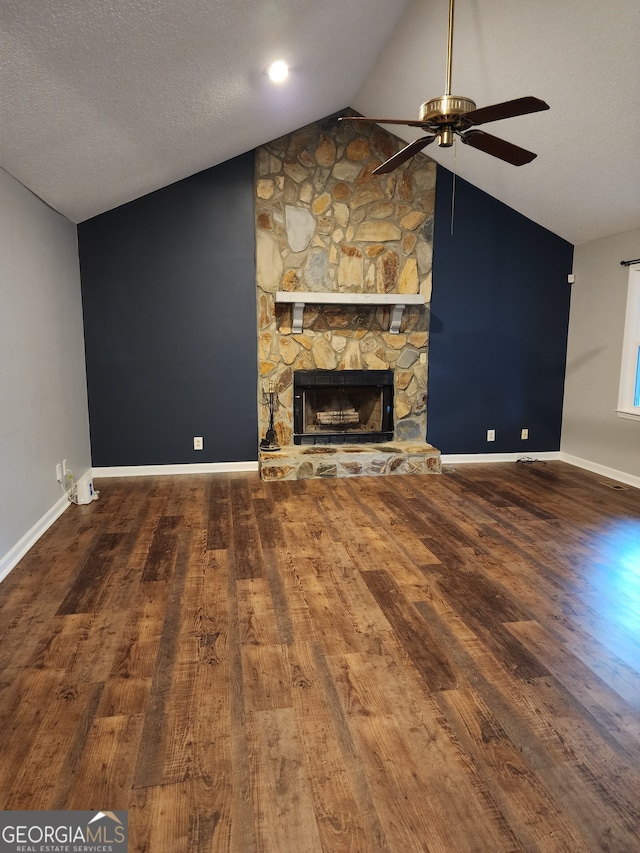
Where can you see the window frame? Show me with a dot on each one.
(630, 366)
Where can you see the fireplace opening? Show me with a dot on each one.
(339, 407)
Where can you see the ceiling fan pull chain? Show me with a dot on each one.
(453, 187)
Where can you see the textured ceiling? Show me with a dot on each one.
(103, 101)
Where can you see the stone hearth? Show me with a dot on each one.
(349, 460)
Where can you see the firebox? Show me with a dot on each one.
(342, 406)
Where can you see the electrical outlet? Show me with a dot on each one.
(491, 435)
(64, 467)
(423, 358)
(197, 442)
(59, 472)
(524, 433)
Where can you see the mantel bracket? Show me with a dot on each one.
(296, 320)
(396, 318)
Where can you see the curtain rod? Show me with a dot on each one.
(628, 263)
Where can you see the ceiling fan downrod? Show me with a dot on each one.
(443, 111)
(447, 85)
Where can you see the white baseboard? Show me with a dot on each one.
(157, 470)
(602, 470)
(13, 557)
(594, 467)
(462, 458)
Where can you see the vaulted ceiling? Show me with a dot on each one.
(103, 101)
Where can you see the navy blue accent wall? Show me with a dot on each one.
(499, 320)
(168, 289)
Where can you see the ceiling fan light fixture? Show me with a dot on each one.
(446, 137)
(278, 71)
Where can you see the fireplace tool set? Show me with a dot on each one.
(270, 441)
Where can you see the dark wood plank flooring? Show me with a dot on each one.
(379, 664)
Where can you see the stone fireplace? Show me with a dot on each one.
(343, 268)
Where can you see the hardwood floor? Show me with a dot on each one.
(429, 663)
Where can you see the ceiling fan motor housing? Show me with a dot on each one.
(445, 108)
(444, 116)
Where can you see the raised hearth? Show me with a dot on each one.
(349, 460)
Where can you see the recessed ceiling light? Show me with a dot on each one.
(278, 71)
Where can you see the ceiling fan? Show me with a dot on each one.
(453, 115)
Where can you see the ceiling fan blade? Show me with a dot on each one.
(411, 122)
(506, 151)
(507, 109)
(403, 155)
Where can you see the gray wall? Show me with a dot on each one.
(591, 429)
(43, 400)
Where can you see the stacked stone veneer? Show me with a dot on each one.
(324, 222)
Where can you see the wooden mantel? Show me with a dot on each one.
(396, 300)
